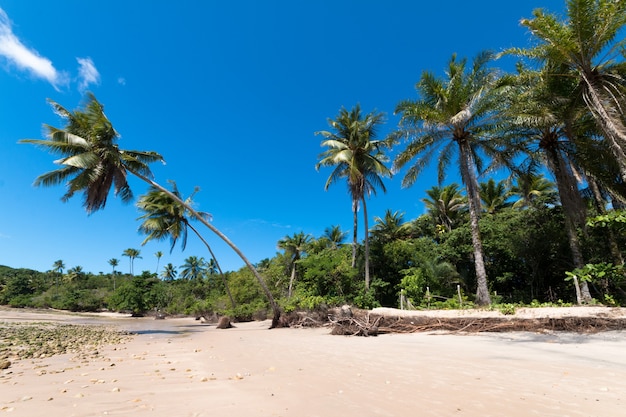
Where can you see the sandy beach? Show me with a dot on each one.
(181, 367)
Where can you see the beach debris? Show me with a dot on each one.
(5, 364)
(224, 323)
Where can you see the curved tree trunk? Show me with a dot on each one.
(292, 278)
(230, 296)
(367, 247)
(473, 197)
(268, 294)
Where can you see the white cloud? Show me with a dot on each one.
(24, 58)
(121, 81)
(87, 73)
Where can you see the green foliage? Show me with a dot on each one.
(136, 296)
(596, 272)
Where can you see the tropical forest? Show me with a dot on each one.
(537, 216)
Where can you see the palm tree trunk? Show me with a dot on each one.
(367, 246)
(230, 296)
(473, 197)
(574, 211)
(268, 294)
(355, 221)
(292, 278)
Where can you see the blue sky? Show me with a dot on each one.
(231, 94)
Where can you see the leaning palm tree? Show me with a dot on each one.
(164, 217)
(458, 113)
(132, 255)
(589, 48)
(356, 155)
(294, 246)
(93, 163)
(158, 255)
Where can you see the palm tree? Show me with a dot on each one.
(132, 255)
(92, 163)
(588, 47)
(530, 187)
(74, 273)
(445, 205)
(164, 217)
(114, 262)
(357, 156)
(193, 269)
(494, 196)
(58, 266)
(158, 255)
(391, 227)
(552, 128)
(335, 236)
(169, 272)
(294, 246)
(459, 113)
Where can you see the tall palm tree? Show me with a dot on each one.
(164, 217)
(549, 123)
(93, 163)
(114, 263)
(193, 269)
(132, 255)
(58, 266)
(169, 272)
(445, 205)
(356, 155)
(457, 113)
(588, 47)
(294, 246)
(158, 255)
(494, 196)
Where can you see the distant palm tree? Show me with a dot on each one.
(193, 268)
(132, 255)
(114, 262)
(335, 236)
(530, 187)
(294, 246)
(357, 156)
(75, 273)
(58, 266)
(391, 227)
(445, 205)
(456, 114)
(169, 272)
(494, 196)
(158, 255)
(93, 163)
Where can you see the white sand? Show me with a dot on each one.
(179, 367)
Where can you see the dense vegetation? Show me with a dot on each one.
(515, 238)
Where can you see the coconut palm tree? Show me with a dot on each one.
(132, 255)
(494, 196)
(158, 255)
(164, 217)
(588, 47)
(58, 266)
(93, 163)
(530, 187)
(357, 156)
(294, 246)
(114, 263)
(445, 205)
(458, 113)
(391, 227)
(169, 272)
(193, 269)
(335, 236)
